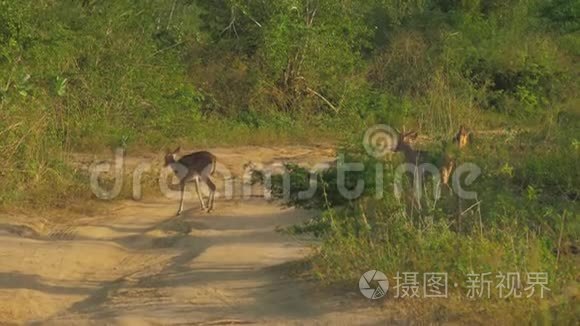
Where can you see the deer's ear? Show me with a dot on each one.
(456, 137)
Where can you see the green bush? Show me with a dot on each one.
(523, 219)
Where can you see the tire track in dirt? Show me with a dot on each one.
(140, 266)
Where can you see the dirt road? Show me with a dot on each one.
(141, 266)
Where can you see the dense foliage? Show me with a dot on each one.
(79, 75)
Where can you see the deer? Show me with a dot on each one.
(418, 157)
(461, 139)
(197, 166)
(412, 156)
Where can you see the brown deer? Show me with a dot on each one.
(418, 157)
(461, 140)
(462, 137)
(411, 155)
(197, 166)
(445, 165)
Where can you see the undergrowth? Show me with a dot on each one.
(524, 219)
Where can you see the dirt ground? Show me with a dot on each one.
(138, 264)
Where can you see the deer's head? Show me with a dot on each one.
(404, 139)
(462, 137)
(170, 156)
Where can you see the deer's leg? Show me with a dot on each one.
(417, 182)
(212, 188)
(199, 193)
(182, 188)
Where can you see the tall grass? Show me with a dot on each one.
(524, 219)
(90, 76)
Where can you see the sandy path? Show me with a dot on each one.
(140, 266)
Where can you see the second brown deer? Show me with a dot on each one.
(418, 158)
(462, 137)
(460, 140)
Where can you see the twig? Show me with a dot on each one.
(166, 48)
(480, 221)
(322, 98)
(14, 147)
(470, 207)
(251, 18)
(10, 75)
(10, 127)
(560, 238)
(232, 24)
(171, 14)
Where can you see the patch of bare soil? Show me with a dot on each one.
(141, 266)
